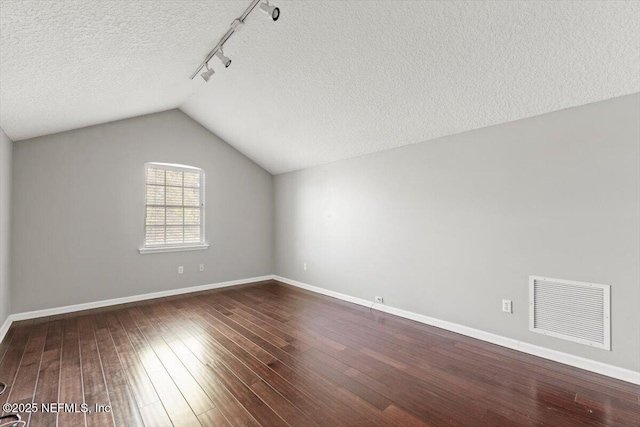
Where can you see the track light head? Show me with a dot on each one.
(226, 61)
(207, 74)
(272, 11)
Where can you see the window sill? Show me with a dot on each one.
(198, 247)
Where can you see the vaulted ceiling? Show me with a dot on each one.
(329, 80)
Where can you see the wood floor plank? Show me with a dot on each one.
(27, 376)
(268, 354)
(237, 379)
(123, 404)
(235, 300)
(176, 406)
(11, 362)
(49, 377)
(242, 368)
(229, 406)
(245, 367)
(213, 418)
(95, 391)
(319, 366)
(141, 387)
(206, 355)
(293, 397)
(71, 392)
(188, 386)
(5, 345)
(290, 367)
(434, 407)
(256, 365)
(155, 414)
(258, 409)
(395, 364)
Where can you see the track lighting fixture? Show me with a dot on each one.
(226, 61)
(207, 74)
(272, 11)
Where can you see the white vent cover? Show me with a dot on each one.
(573, 311)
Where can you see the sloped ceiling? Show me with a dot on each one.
(329, 80)
(67, 64)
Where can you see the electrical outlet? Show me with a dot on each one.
(180, 270)
(201, 267)
(304, 266)
(506, 305)
(379, 300)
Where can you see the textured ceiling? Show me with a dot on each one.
(329, 80)
(66, 64)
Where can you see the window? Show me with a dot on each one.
(174, 211)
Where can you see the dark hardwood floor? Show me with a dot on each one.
(268, 354)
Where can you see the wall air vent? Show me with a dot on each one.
(572, 311)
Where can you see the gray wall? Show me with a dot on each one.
(5, 230)
(450, 227)
(78, 212)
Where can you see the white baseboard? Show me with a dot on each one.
(115, 301)
(5, 327)
(557, 356)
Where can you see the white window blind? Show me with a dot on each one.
(174, 211)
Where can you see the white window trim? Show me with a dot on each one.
(161, 249)
(183, 247)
